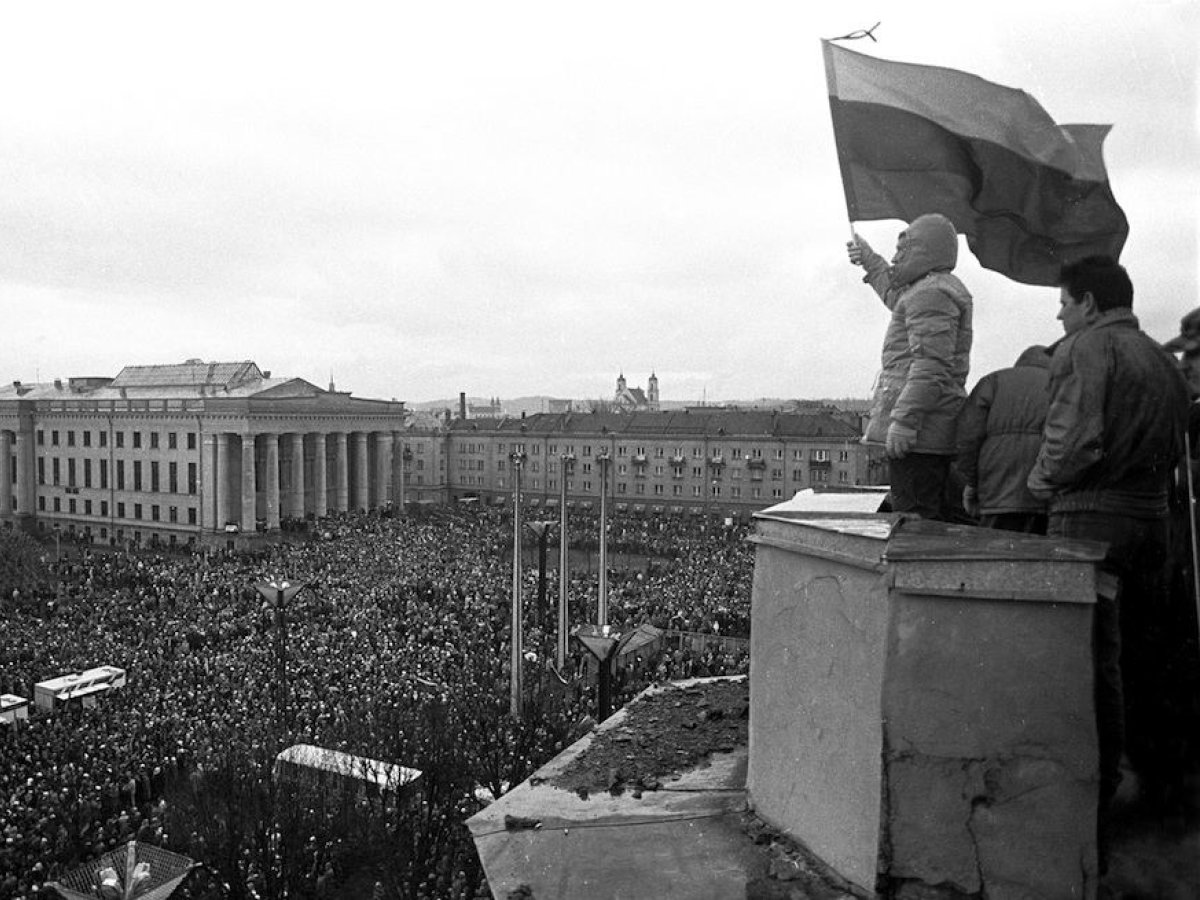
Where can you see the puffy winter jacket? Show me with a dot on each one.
(927, 347)
(1000, 433)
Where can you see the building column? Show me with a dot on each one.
(398, 469)
(249, 485)
(6, 487)
(362, 472)
(341, 472)
(320, 502)
(383, 468)
(223, 513)
(294, 505)
(209, 514)
(26, 472)
(271, 477)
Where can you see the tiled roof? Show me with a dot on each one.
(192, 373)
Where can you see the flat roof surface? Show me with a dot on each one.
(684, 840)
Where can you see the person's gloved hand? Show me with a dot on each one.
(855, 250)
(900, 441)
(970, 500)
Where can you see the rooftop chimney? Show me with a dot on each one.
(462, 404)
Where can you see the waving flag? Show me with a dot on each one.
(1028, 193)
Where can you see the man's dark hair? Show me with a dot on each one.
(1102, 276)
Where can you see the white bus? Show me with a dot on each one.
(336, 773)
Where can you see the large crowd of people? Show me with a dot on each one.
(396, 648)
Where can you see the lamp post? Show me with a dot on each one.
(515, 692)
(605, 461)
(603, 642)
(280, 593)
(541, 531)
(568, 461)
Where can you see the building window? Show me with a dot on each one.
(622, 487)
(137, 474)
(173, 514)
(87, 472)
(154, 440)
(137, 510)
(697, 471)
(736, 492)
(55, 469)
(779, 453)
(676, 489)
(120, 440)
(191, 515)
(137, 440)
(41, 438)
(843, 477)
(587, 485)
(71, 472)
(172, 441)
(640, 487)
(695, 490)
(54, 438)
(71, 506)
(715, 490)
(87, 439)
(42, 504)
(71, 438)
(104, 507)
(587, 467)
(819, 455)
(191, 443)
(843, 456)
(58, 504)
(777, 493)
(658, 489)
(120, 474)
(41, 470)
(154, 474)
(797, 475)
(103, 438)
(120, 510)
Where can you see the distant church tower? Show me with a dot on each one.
(621, 383)
(652, 391)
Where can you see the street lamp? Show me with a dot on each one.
(541, 531)
(280, 594)
(604, 642)
(605, 461)
(515, 692)
(568, 462)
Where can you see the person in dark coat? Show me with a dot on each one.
(999, 435)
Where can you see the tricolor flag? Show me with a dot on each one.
(1028, 193)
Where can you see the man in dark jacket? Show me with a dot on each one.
(926, 355)
(1114, 433)
(999, 435)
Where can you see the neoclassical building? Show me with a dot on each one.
(192, 452)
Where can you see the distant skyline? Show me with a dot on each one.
(528, 198)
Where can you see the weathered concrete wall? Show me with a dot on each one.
(818, 632)
(921, 706)
(990, 747)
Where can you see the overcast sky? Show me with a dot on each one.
(518, 198)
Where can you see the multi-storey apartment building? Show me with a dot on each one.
(729, 461)
(180, 453)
